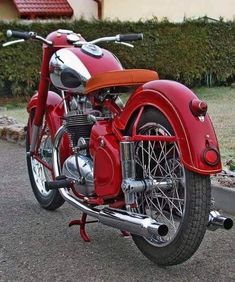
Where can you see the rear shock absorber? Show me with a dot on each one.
(128, 171)
(130, 185)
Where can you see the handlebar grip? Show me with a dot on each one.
(131, 37)
(19, 34)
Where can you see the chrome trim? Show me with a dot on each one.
(139, 224)
(127, 159)
(64, 102)
(47, 42)
(80, 168)
(73, 37)
(12, 42)
(35, 134)
(216, 220)
(64, 31)
(105, 39)
(146, 185)
(55, 150)
(92, 49)
(65, 59)
(125, 44)
(128, 172)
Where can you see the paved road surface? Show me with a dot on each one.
(37, 245)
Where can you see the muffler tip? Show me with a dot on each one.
(155, 228)
(228, 223)
(216, 220)
(163, 230)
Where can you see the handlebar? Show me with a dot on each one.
(118, 38)
(19, 34)
(24, 35)
(130, 37)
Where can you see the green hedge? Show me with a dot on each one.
(194, 53)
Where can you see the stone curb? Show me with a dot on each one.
(14, 133)
(224, 197)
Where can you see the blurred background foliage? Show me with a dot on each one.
(195, 53)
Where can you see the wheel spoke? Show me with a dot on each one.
(159, 210)
(160, 160)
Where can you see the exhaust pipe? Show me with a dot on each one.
(138, 224)
(216, 220)
(141, 225)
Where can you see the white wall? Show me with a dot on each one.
(174, 10)
(84, 8)
(7, 10)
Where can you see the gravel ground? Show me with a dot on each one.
(37, 245)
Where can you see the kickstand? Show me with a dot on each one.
(82, 222)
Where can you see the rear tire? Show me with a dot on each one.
(183, 202)
(38, 173)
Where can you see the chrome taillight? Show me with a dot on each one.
(198, 107)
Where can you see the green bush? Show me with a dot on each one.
(194, 53)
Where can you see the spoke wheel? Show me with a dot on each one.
(181, 199)
(160, 161)
(38, 172)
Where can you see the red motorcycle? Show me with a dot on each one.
(142, 167)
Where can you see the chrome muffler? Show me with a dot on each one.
(216, 220)
(138, 224)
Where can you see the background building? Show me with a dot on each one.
(124, 10)
(173, 10)
(32, 9)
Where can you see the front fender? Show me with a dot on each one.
(53, 113)
(54, 110)
(173, 100)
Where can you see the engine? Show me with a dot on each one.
(80, 168)
(95, 163)
(78, 125)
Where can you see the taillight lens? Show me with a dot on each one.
(211, 156)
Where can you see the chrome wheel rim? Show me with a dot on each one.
(159, 160)
(40, 177)
(40, 172)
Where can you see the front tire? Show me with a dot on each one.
(181, 199)
(38, 173)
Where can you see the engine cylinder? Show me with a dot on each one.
(77, 125)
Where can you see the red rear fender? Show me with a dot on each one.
(173, 99)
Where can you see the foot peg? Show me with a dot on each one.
(60, 182)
